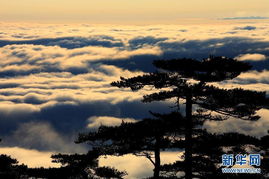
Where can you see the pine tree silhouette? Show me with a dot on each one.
(192, 81)
(84, 166)
(10, 169)
(141, 138)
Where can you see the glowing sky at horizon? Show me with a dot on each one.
(123, 11)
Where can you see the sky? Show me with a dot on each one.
(58, 59)
(126, 11)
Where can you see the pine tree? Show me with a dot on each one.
(10, 169)
(146, 138)
(84, 166)
(196, 82)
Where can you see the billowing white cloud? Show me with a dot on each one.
(14, 110)
(97, 121)
(254, 77)
(138, 167)
(251, 57)
(42, 136)
(27, 59)
(30, 157)
(253, 128)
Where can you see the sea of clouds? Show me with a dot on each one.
(55, 78)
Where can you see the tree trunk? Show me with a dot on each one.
(157, 158)
(188, 137)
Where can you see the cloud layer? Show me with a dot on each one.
(55, 79)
